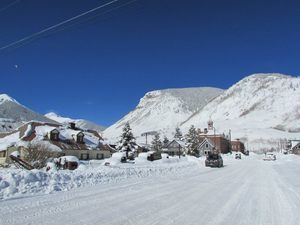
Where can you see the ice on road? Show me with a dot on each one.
(243, 192)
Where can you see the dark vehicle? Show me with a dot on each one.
(214, 160)
(154, 156)
(123, 159)
(130, 156)
(238, 155)
(70, 166)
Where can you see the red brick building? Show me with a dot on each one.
(238, 146)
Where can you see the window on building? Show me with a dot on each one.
(80, 138)
(2, 154)
(54, 135)
(84, 156)
(206, 145)
(100, 156)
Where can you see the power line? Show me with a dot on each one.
(71, 25)
(27, 38)
(9, 5)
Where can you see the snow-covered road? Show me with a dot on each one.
(243, 192)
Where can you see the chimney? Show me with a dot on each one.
(72, 125)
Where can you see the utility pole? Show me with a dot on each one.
(230, 146)
(215, 140)
(146, 139)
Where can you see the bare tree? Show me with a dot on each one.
(37, 154)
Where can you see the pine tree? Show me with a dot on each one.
(178, 134)
(165, 141)
(192, 140)
(127, 141)
(156, 142)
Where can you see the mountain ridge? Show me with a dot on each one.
(165, 109)
(260, 109)
(13, 114)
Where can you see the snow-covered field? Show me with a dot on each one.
(169, 191)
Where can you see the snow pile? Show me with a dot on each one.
(115, 159)
(9, 141)
(16, 182)
(143, 157)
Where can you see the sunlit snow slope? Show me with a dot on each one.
(13, 114)
(260, 109)
(164, 110)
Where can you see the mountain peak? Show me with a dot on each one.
(51, 114)
(54, 116)
(266, 76)
(5, 98)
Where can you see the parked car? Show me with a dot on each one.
(64, 162)
(116, 158)
(238, 155)
(269, 156)
(214, 160)
(153, 156)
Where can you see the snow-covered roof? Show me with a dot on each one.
(181, 143)
(69, 158)
(206, 140)
(37, 132)
(43, 130)
(9, 141)
(294, 143)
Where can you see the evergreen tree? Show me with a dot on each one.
(178, 134)
(127, 141)
(165, 141)
(156, 142)
(192, 140)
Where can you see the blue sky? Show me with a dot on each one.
(98, 69)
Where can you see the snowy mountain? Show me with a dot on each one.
(261, 109)
(81, 123)
(13, 114)
(163, 110)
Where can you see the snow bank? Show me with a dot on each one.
(17, 183)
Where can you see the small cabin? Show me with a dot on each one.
(296, 149)
(175, 148)
(204, 148)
